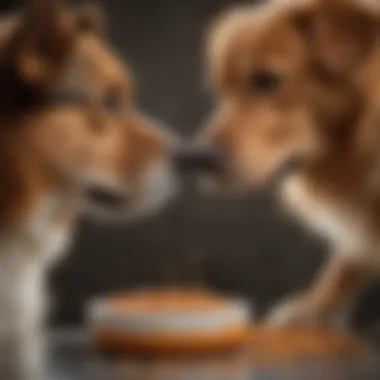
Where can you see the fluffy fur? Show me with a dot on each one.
(300, 80)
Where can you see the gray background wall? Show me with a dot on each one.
(248, 245)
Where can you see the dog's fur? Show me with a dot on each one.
(69, 129)
(300, 80)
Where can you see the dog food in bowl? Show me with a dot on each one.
(169, 320)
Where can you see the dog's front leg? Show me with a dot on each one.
(22, 354)
(325, 304)
(22, 310)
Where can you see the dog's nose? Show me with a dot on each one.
(105, 197)
(198, 159)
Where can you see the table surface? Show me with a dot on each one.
(293, 356)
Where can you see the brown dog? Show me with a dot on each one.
(71, 141)
(299, 80)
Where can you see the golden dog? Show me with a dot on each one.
(298, 81)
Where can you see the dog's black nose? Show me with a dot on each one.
(105, 197)
(198, 159)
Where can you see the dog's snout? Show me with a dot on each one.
(194, 159)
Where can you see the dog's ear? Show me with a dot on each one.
(40, 43)
(340, 33)
(90, 18)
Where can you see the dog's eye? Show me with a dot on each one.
(113, 102)
(264, 81)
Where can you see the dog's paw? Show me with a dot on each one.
(296, 312)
